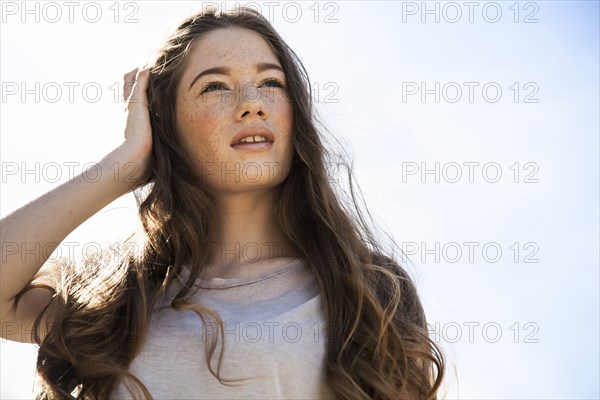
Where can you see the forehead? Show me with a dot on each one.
(229, 47)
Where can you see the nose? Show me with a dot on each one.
(251, 105)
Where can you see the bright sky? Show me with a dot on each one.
(474, 138)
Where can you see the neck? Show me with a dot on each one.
(249, 238)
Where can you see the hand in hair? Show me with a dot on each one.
(138, 131)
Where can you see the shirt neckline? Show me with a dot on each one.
(223, 283)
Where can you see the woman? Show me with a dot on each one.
(241, 228)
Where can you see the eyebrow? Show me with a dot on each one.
(260, 67)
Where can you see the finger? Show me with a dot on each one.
(138, 91)
(128, 83)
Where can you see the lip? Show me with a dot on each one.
(252, 131)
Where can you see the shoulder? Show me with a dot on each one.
(395, 285)
(386, 265)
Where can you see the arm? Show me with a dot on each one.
(50, 218)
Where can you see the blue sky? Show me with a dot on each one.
(522, 323)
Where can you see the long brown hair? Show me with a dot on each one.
(378, 345)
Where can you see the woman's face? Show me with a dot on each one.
(232, 91)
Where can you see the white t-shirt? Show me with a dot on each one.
(274, 328)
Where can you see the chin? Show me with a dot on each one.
(247, 175)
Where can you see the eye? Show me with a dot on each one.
(273, 82)
(213, 86)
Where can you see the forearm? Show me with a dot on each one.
(31, 233)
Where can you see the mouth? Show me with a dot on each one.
(253, 138)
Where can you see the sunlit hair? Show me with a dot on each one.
(378, 345)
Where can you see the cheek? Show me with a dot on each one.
(199, 129)
(285, 110)
(284, 114)
(281, 112)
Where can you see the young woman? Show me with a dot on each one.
(252, 279)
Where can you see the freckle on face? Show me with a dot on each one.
(206, 124)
